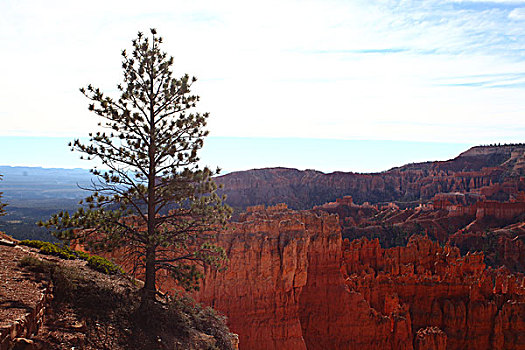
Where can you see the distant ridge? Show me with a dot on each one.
(302, 189)
(36, 187)
(29, 183)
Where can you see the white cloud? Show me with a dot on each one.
(517, 13)
(490, 1)
(334, 69)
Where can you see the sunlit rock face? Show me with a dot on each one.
(267, 271)
(293, 283)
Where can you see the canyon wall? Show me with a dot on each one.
(293, 283)
(283, 288)
(267, 270)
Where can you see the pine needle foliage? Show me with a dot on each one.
(153, 201)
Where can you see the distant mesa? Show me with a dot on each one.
(477, 168)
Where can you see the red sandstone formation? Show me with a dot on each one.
(291, 283)
(430, 338)
(477, 197)
(502, 246)
(284, 289)
(483, 208)
(266, 273)
(393, 226)
(496, 228)
(441, 289)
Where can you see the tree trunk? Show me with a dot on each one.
(150, 288)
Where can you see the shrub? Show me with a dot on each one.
(53, 249)
(50, 249)
(81, 255)
(208, 321)
(97, 263)
(65, 282)
(107, 306)
(36, 265)
(103, 265)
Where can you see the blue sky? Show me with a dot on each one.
(416, 73)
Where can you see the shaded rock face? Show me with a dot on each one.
(292, 283)
(456, 294)
(502, 245)
(474, 169)
(331, 315)
(430, 338)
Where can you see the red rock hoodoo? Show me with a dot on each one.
(292, 283)
(441, 289)
(468, 221)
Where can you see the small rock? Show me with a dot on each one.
(7, 243)
(77, 326)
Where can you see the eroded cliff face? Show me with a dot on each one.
(267, 270)
(333, 316)
(292, 283)
(441, 289)
(468, 221)
(284, 289)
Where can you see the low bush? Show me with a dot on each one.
(103, 265)
(178, 318)
(81, 255)
(70, 285)
(208, 321)
(53, 249)
(97, 263)
(50, 249)
(113, 316)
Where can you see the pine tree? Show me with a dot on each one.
(153, 200)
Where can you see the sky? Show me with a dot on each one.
(331, 85)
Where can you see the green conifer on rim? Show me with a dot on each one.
(153, 201)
